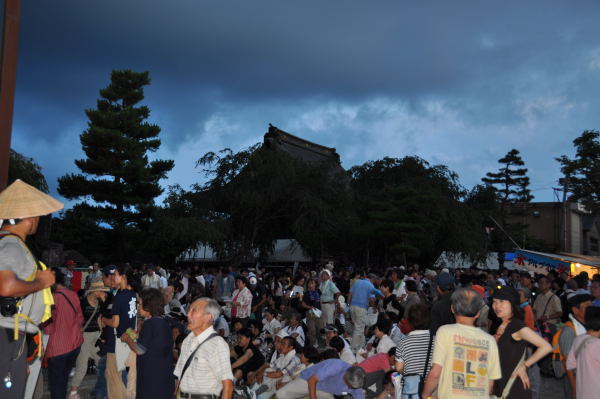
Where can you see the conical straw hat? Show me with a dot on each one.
(20, 200)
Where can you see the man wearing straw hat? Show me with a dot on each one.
(21, 281)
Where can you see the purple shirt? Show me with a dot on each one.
(330, 374)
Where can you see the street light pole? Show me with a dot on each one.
(8, 79)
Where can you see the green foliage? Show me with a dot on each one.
(411, 211)
(510, 185)
(26, 169)
(260, 194)
(118, 183)
(582, 174)
(511, 181)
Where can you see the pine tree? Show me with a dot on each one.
(118, 183)
(510, 182)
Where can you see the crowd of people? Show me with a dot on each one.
(319, 331)
(322, 332)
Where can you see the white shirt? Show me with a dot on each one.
(163, 282)
(150, 281)
(272, 327)
(347, 355)
(222, 325)
(298, 330)
(385, 344)
(209, 367)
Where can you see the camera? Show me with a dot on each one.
(8, 306)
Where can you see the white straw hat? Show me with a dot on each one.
(20, 200)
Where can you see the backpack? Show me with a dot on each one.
(553, 364)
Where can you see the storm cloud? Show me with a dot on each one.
(457, 83)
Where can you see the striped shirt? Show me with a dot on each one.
(412, 351)
(209, 367)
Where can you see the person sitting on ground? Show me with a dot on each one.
(584, 356)
(308, 357)
(324, 379)
(248, 358)
(271, 325)
(294, 329)
(381, 331)
(285, 367)
(343, 350)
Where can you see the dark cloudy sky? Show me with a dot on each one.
(455, 82)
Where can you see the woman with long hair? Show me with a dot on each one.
(513, 337)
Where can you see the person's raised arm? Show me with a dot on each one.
(542, 349)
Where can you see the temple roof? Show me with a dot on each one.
(299, 147)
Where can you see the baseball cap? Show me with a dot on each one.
(445, 280)
(108, 270)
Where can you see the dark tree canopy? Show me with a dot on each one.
(511, 181)
(118, 184)
(26, 169)
(262, 194)
(582, 173)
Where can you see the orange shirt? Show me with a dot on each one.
(529, 319)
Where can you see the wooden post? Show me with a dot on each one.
(8, 78)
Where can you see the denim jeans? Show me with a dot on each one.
(59, 368)
(100, 389)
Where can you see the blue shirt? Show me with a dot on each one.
(330, 374)
(361, 291)
(596, 302)
(124, 305)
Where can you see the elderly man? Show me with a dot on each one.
(465, 359)
(284, 366)
(203, 369)
(21, 281)
(324, 380)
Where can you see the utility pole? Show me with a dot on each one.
(8, 79)
(563, 230)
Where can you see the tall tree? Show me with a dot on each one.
(582, 173)
(26, 169)
(118, 183)
(511, 181)
(410, 211)
(511, 186)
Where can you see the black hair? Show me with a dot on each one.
(384, 325)
(242, 279)
(153, 301)
(418, 316)
(125, 269)
(592, 318)
(291, 341)
(255, 323)
(59, 276)
(245, 332)
(311, 353)
(389, 284)
(392, 351)
(411, 285)
(337, 343)
(330, 354)
(577, 300)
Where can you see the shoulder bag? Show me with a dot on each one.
(412, 384)
(511, 380)
(189, 361)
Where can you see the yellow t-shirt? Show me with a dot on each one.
(469, 359)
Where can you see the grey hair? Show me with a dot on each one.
(355, 377)
(526, 292)
(212, 307)
(466, 302)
